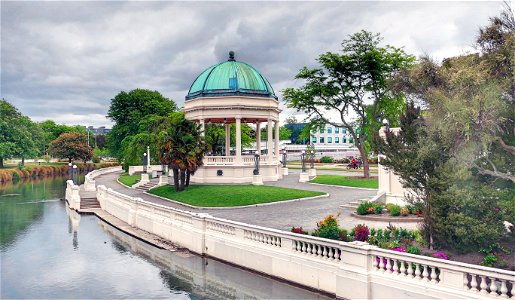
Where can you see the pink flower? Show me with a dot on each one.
(440, 255)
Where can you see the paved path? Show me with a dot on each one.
(281, 215)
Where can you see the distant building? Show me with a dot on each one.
(100, 130)
(296, 129)
(331, 135)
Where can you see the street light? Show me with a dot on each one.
(145, 162)
(70, 170)
(75, 174)
(284, 157)
(303, 153)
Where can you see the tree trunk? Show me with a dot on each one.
(188, 174)
(364, 158)
(176, 179)
(23, 161)
(69, 159)
(183, 179)
(1, 162)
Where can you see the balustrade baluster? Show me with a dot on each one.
(376, 263)
(403, 268)
(387, 267)
(330, 254)
(319, 252)
(493, 287)
(425, 274)
(504, 289)
(395, 267)
(324, 252)
(417, 271)
(410, 269)
(466, 282)
(473, 283)
(303, 247)
(483, 286)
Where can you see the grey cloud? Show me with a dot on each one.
(66, 60)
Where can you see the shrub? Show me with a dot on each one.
(95, 159)
(298, 230)
(363, 208)
(361, 233)
(404, 212)
(343, 235)
(326, 159)
(395, 210)
(378, 208)
(412, 249)
(489, 261)
(328, 228)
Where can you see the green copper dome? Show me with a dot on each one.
(230, 78)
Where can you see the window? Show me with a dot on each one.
(344, 140)
(314, 139)
(344, 130)
(337, 130)
(322, 130)
(350, 140)
(321, 140)
(329, 140)
(329, 130)
(336, 140)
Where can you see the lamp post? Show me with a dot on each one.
(163, 165)
(75, 174)
(284, 157)
(302, 155)
(145, 162)
(257, 158)
(70, 170)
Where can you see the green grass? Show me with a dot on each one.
(128, 180)
(231, 195)
(346, 181)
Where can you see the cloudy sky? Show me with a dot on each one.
(66, 60)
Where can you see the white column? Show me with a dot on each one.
(276, 146)
(202, 127)
(227, 139)
(269, 145)
(258, 138)
(238, 139)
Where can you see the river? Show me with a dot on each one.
(50, 251)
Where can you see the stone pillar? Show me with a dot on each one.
(202, 127)
(276, 145)
(269, 142)
(238, 139)
(148, 160)
(258, 138)
(227, 139)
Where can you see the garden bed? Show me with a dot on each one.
(129, 180)
(387, 218)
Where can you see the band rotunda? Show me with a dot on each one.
(234, 92)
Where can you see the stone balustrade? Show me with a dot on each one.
(89, 179)
(72, 195)
(348, 270)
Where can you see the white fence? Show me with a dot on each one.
(89, 179)
(72, 194)
(349, 270)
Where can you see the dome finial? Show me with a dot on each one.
(231, 55)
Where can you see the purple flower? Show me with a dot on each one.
(440, 255)
(399, 249)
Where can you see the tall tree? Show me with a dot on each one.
(127, 109)
(18, 135)
(71, 145)
(355, 84)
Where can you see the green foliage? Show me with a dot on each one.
(346, 181)
(129, 180)
(489, 261)
(343, 81)
(363, 208)
(127, 111)
(412, 249)
(326, 159)
(378, 208)
(395, 210)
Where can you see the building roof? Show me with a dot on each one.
(230, 78)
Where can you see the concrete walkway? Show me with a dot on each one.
(281, 216)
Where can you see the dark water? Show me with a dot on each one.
(48, 251)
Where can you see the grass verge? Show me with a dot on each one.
(346, 181)
(128, 180)
(231, 195)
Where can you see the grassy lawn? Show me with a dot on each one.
(298, 167)
(346, 181)
(128, 180)
(231, 195)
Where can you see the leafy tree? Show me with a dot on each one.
(71, 145)
(284, 133)
(19, 136)
(100, 141)
(182, 147)
(291, 120)
(355, 82)
(127, 109)
(215, 138)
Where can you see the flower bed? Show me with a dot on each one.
(375, 208)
